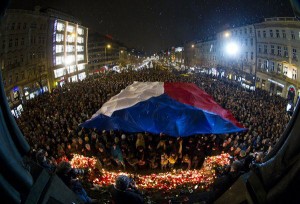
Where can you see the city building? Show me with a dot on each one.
(104, 52)
(39, 50)
(236, 49)
(278, 44)
(67, 53)
(265, 54)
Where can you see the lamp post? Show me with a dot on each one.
(108, 46)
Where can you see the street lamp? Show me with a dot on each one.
(108, 46)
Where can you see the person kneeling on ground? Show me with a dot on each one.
(125, 191)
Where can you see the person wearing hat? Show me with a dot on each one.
(125, 191)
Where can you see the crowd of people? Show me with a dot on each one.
(51, 122)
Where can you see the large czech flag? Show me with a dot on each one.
(175, 109)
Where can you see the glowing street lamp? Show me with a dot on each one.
(227, 34)
(193, 46)
(232, 49)
(108, 46)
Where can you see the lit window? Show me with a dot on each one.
(81, 67)
(59, 48)
(80, 48)
(60, 26)
(70, 28)
(59, 72)
(70, 59)
(59, 37)
(80, 31)
(72, 69)
(80, 40)
(59, 60)
(80, 57)
(82, 76)
(70, 48)
(70, 38)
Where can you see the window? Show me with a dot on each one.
(19, 26)
(70, 28)
(285, 70)
(266, 62)
(264, 34)
(70, 38)
(60, 26)
(70, 59)
(70, 48)
(265, 49)
(16, 42)
(59, 37)
(279, 68)
(59, 72)
(246, 56)
(277, 34)
(245, 30)
(3, 44)
(259, 48)
(80, 57)
(251, 41)
(72, 69)
(80, 31)
(286, 53)
(10, 43)
(259, 63)
(271, 34)
(22, 41)
(283, 34)
(24, 26)
(80, 40)
(80, 48)
(81, 67)
(241, 32)
(279, 50)
(272, 49)
(59, 48)
(82, 76)
(258, 34)
(12, 26)
(294, 53)
(272, 68)
(250, 30)
(252, 56)
(292, 35)
(246, 42)
(59, 60)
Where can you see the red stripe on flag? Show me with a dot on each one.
(190, 94)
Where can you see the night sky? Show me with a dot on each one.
(153, 25)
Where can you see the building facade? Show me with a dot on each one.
(104, 52)
(266, 51)
(243, 40)
(31, 42)
(278, 44)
